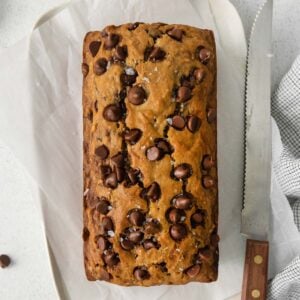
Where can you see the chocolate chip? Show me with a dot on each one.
(204, 55)
(183, 201)
(214, 239)
(111, 40)
(107, 224)
(177, 122)
(208, 181)
(164, 146)
(112, 113)
(205, 254)
(154, 153)
(184, 93)
(127, 245)
(104, 275)
(136, 95)
(136, 217)
(4, 261)
(103, 244)
(175, 215)
(127, 80)
(211, 115)
(100, 66)
(182, 171)
(94, 47)
(157, 54)
(135, 236)
(193, 123)
(163, 267)
(102, 151)
(207, 162)
(132, 136)
(84, 69)
(121, 53)
(104, 171)
(117, 160)
(133, 26)
(197, 218)
(111, 181)
(153, 192)
(154, 33)
(133, 176)
(141, 273)
(111, 258)
(152, 227)
(199, 75)
(175, 33)
(120, 172)
(193, 271)
(103, 206)
(178, 232)
(150, 243)
(85, 234)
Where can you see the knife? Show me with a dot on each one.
(257, 178)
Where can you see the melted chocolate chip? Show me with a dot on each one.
(199, 75)
(193, 271)
(120, 173)
(105, 275)
(136, 217)
(118, 160)
(133, 176)
(100, 66)
(163, 145)
(208, 181)
(132, 136)
(205, 254)
(211, 115)
(133, 26)
(136, 95)
(84, 69)
(207, 162)
(141, 273)
(120, 53)
(204, 55)
(184, 93)
(152, 192)
(154, 153)
(105, 171)
(176, 34)
(102, 151)
(112, 113)
(127, 245)
(177, 122)
(183, 201)
(178, 232)
(135, 236)
(175, 215)
(85, 234)
(103, 206)
(111, 40)
(150, 243)
(154, 33)
(182, 171)
(111, 258)
(111, 181)
(193, 123)
(107, 224)
(94, 47)
(152, 227)
(103, 244)
(127, 80)
(197, 218)
(157, 54)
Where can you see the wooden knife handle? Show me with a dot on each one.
(255, 270)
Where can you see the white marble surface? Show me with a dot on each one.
(29, 276)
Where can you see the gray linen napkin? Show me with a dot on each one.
(286, 112)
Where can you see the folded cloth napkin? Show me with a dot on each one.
(286, 112)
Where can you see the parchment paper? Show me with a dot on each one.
(41, 120)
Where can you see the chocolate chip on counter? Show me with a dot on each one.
(205, 254)
(152, 192)
(127, 80)
(182, 171)
(103, 244)
(85, 234)
(193, 123)
(107, 224)
(183, 201)
(208, 181)
(150, 243)
(199, 75)
(157, 54)
(177, 122)
(152, 227)
(214, 239)
(111, 181)
(120, 173)
(184, 93)
(211, 115)
(141, 273)
(154, 153)
(102, 151)
(120, 53)
(178, 232)
(103, 206)
(118, 160)
(100, 66)
(4, 261)
(193, 271)
(112, 113)
(163, 145)
(176, 34)
(105, 171)
(207, 162)
(175, 215)
(135, 236)
(136, 217)
(111, 258)
(133, 26)
(94, 47)
(136, 95)
(111, 40)
(133, 176)
(84, 69)
(126, 244)
(204, 55)
(132, 136)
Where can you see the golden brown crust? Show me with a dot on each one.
(167, 76)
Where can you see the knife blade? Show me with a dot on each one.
(257, 178)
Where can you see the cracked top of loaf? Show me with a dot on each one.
(150, 176)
